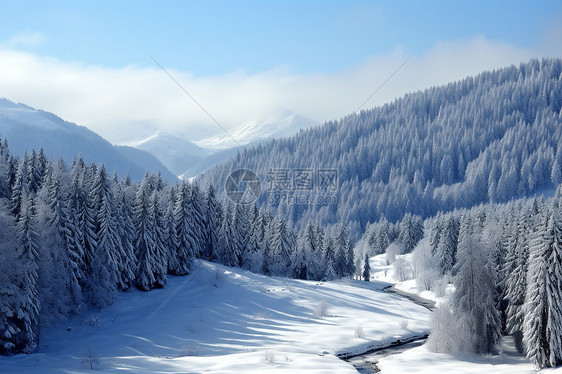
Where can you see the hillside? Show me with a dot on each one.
(488, 138)
(227, 320)
(26, 128)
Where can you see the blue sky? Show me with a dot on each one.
(217, 37)
(244, 46)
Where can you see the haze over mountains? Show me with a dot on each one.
(187, 159)
(27, 128)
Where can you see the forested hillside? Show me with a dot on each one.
(505, 261)
(489, 138)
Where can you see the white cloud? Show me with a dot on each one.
(128, 102)
(26, 39)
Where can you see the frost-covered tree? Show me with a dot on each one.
(12, 268)
(281, 247)
(212, 224)
(144, 241)
(182, 255)
(366, 269)
(26, 305)
(410, 231)
(542, 321)
(475, 299)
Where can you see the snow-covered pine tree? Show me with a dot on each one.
(27, 305)
(212, 224)
(516, 281)
(280, 242)
(144, 242)
(254, 255)
(19, 186)
(366, 269)
(127, 260)
(161, 252)
(199, 211)
(241, 234)
(5, 170)
(103, 274)
(410, 231)
(75, 222)
(542, 322)
(11, 270)
(475, 298)
(447, 244)
(59, 271)
(329, 258)
(345, 261)
(182, 255)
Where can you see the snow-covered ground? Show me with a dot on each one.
(420, 360)
(224, 320)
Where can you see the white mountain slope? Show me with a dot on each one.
(176, 153)
(229, 321)
(279, 123)
(27, 128)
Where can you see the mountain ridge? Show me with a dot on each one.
(27, 128)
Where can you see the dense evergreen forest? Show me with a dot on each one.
(505, 261)
(488, 138)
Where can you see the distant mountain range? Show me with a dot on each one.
(187, 159)
(27, 128)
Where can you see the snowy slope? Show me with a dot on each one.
(226, 320)
(27, 128)
(279, 123)
(176, 153)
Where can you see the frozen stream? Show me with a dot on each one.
(367, 363)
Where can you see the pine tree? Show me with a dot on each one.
(127, 261)
(103, 275)
(144, 242)
(27, 306)
(280, 247)
(182, 255)
(11, 270)
(475, 298)
(329, 258)
(516, 281)
(198, 209)
(212, 224)
(542, 322)
(366, 269)
(59, 271)
(161, 253)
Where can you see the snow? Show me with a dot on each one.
(381, 271)
(420, 360)
(279, 123)
(226, 320)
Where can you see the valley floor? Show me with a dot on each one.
(224, 320)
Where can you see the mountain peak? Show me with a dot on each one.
(280, 122)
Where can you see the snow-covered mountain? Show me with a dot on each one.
(27, 128)
(187, 159)
(176, 153)
(279, 123)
